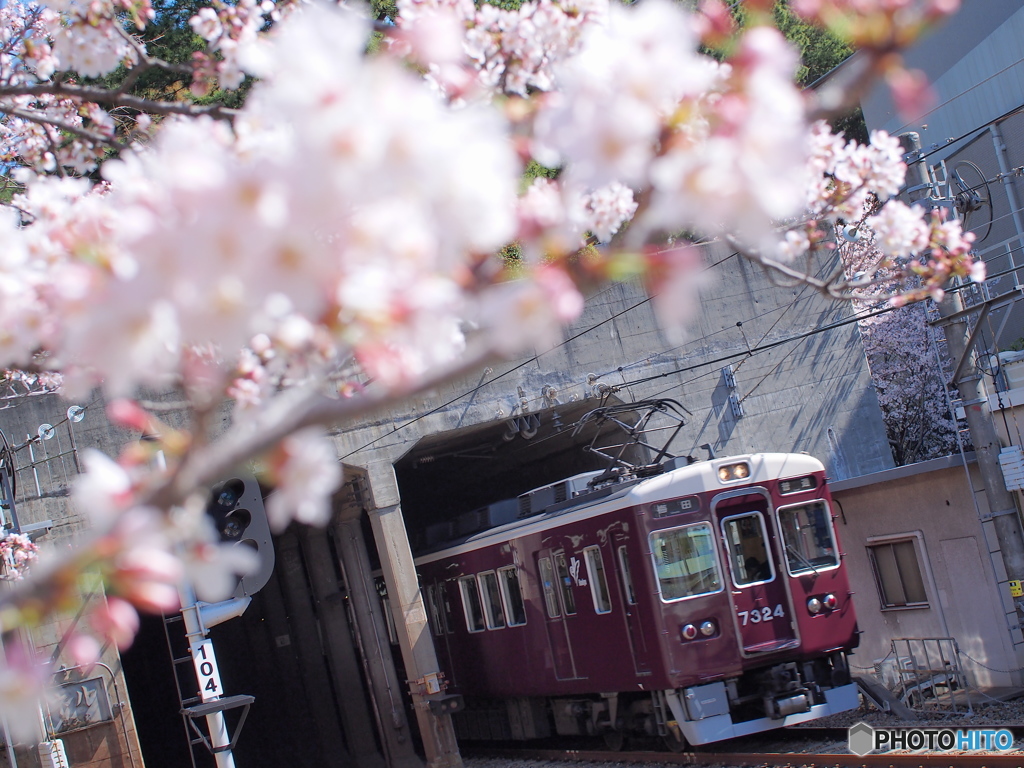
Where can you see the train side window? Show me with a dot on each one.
(627, 577)
(807, 536)
(685, 562)
(471, 604)
(565, 584)
(493, 610)
(512, 595)
(746, 543)
(434, 608)
(598, 582)
(547, 580)
(446, 607)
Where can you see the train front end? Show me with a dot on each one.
(756, 610)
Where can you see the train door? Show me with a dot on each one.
(634, 624)
(440, 620)
(559, 605)
(762, 610)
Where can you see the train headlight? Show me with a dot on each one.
(814, 606)
(830, 601)
(708, 628)
(689, 632)
(730, 472)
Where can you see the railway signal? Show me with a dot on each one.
(237, 511)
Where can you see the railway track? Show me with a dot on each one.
(746, 752)
(790, 759)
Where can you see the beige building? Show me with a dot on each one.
(924, 563)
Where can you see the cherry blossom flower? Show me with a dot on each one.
(214, 568)
(91, 49)
(17, 553)
(516, 313)
(23, 677)
(606, 209)
(115, 620)
(899, 229)
(104, 491)
(305, 471)
(147, 576)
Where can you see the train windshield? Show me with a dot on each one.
(807, 534)
(684, 561)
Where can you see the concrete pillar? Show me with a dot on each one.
(410, 616)
(372, 637)
(357, 722)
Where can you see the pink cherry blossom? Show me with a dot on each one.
(306, 472)
(899, 229)
(116, 621)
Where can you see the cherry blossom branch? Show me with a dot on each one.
(204, 464)
(114, 98)
(290, 412)
(82, 133)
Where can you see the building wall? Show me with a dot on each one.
(934, 504)
(94, 736)
(810, 393)
(974, 129)
(974, 64)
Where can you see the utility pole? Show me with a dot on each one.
(1002, 506)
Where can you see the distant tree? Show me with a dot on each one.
(900, 349)
(820, 50)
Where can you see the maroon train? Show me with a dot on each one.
(702, 602)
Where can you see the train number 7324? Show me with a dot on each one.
(758, 615)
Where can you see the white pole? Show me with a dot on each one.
(202, 652)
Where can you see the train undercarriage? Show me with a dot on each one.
(758, 700)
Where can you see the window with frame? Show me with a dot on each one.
(512, 595)
(627, 577)
(565, 584)
(434, 608)
(598, 582)
(807, 537)
(471, 604)
(446, 607)
(746, 546)
(494, 612)
(547, 581)
(685, 562)
(897, 573)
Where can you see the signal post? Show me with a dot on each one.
(237, 512)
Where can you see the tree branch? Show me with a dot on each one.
(287, 413)
(117, 99)
(82, 133)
